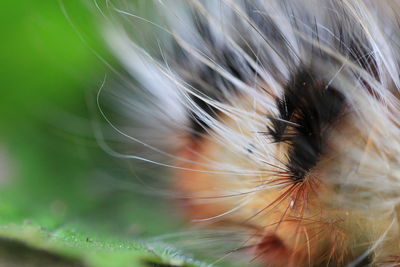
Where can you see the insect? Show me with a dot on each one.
(278, 118)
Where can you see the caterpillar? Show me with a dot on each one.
(278, 119)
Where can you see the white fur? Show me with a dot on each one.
(164, 99)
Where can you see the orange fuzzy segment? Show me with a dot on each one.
(288, 224)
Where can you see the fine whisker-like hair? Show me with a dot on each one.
(276, 119)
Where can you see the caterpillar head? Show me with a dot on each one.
(287, 114)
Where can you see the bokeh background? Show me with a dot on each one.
(61, 199)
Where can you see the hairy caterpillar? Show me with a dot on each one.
(279, 119)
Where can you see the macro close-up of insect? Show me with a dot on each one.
(270, 129)
(285, 116)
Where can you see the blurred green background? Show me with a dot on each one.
(54, 192)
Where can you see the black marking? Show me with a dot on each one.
(367, 261)
(250, 148)
(364, 57)
(306, 101)
(198, 125)
(306, 111)
(207, 80)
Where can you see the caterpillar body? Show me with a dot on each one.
(279, 119)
